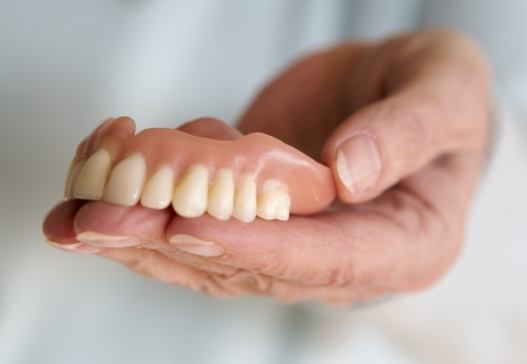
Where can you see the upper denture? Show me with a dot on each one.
(256, 175)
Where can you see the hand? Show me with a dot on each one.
(404, 126)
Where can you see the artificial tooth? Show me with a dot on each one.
(245, 200)
(283, 208)
(92, 176)
(126, 181)
(159, 188)
(221, 195)
(70, 180)
(273, 202)
(190, 194)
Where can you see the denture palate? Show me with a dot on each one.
(254, 176)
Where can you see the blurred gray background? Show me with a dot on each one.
(66, 65)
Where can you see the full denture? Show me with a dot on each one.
(256, 175)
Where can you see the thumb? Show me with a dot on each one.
(393, 138)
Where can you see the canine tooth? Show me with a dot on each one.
(245, 200)
(190, 194)
(273, 202)
(159, 188)
(126, 181)
(221, 195)
(92, 176)
(70, 180)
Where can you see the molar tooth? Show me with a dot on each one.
(190, 194)
(72, 177)
(92, 176)
(126, 181)
(274, 201)
(221, 195)
(245, 200)
(159, 188)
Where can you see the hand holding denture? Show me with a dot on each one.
(371, 152)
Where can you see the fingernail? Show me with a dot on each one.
(107, 241)
(80, 248)
(93, 236)
(358, 163)
(192, 245)
(114, 243)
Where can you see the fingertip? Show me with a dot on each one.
(120, 221)
(208, 236)
(123, 125)
(209, 127)
(104, 124)
(356, 164)
(204, 228)
(58, 224)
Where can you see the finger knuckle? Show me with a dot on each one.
(245, 282)
(211, 285)
(343, 274)
(275, 266)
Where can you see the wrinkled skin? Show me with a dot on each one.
(423, 98)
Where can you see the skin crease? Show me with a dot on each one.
(310, 184)
(422, 97)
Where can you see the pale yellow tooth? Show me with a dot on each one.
(92, 176)
(159, 188)
(70, 180)
(245, 200)
(190, 194)
(266, 208)
(273, 202)
(283, 206)
(221, 195)
(126, 181)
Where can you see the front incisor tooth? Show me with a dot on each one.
(190, 194)
(273, 202)
(245, 200)
(221, 195)
(92, 176)
(159, 188)
(72, 177)
(126, 181)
